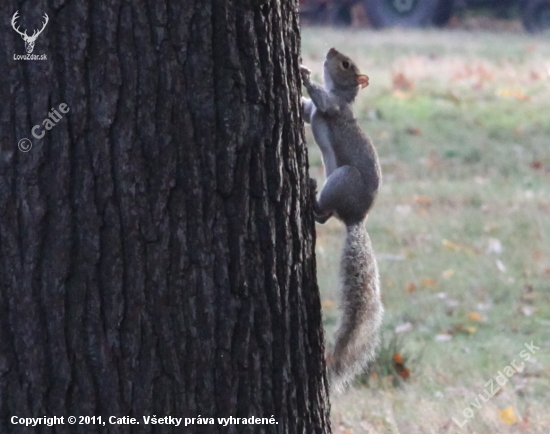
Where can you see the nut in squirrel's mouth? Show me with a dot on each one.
(363, 80)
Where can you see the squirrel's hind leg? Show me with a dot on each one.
(319, 216)
(344, 194)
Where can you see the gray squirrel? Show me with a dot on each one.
(353, 176)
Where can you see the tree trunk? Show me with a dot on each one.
(156, 244)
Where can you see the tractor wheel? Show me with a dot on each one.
(340, 15)
(536, 15)
(408, 13)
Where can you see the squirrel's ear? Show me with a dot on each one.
(363, 80)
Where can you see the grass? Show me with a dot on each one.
(461, 228)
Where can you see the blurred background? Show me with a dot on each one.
(460, 116)
(534, 15)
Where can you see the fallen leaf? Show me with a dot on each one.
(513, 93)
(399, 94)
(422, 200)
(536, 164)
(399, 366)
(432, 161)
(414, 131)
(398, 358)
(518, 131)
(411, 287)
(474, 316)
(508, 416)
(526, 423)
(405, 373)
(429, 282)
(402, 83)
(471, 330)
(450, 245)
(448, 273)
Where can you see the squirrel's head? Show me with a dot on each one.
(343, 72)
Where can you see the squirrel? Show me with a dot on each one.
(353, 176)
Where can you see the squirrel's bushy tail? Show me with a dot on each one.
(357, 336)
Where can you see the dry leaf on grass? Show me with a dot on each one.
(446, 274)
(401, 83)
(508, 416)
(399, 365)
(536, 164)
(513, 93)
(459, 328)
(400, 94)
(450, 245)
(414, 131)
(474, 316)
(459, 247)
(422, 200)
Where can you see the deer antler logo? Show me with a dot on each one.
(29, 40)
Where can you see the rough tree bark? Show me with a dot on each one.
(156, 245)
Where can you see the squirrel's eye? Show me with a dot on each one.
(345, 64)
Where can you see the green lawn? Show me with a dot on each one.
(461, 228)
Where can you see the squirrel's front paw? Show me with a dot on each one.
(305, 73)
